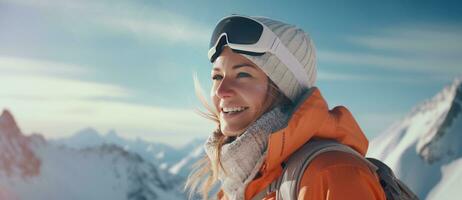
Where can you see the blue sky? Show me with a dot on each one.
(128, 65)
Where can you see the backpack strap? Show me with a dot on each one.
(287, 185)
(392, 186)
(274, 186)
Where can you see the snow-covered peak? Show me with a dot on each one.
(423, 148)
(86, 137)
(88, 133)
(113, 137)
(16, 155)
(421, 126)
(444, 139)
(31, 168)
(6, 117)
(445, 96)
(7, 122)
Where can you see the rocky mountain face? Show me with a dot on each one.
(32, 168)
(425, 148)
(443, 141)
(16, 156)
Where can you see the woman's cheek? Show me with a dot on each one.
(261, 88)
(260, 91)
(215, 100)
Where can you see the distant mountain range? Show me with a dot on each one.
(424, 149)
(176, 161)
(32, 168)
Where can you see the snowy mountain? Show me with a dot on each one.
(16, 156)
(425, 148)
(195, 152)
(176, 161)
(32, 168)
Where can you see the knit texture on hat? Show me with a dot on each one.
(300, 45)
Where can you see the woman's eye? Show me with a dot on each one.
(243, 74)
(217, 77)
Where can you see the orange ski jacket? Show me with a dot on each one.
(331, 175)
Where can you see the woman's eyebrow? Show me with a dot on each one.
(237, 66)
(243, 65)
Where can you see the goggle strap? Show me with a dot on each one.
(288, 59)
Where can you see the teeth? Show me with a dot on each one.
(234, 109)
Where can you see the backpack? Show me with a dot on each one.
(286, 186)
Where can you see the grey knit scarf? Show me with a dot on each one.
(243, 157)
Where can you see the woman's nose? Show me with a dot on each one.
(225, 89)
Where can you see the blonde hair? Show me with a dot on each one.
(205, 171)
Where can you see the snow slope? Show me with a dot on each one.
(424, 148)
(176, 161)
(183, 167)
(44, 171)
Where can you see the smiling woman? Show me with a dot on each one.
(240, 92)
(267, 111)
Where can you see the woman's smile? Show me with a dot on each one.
(239, 92)
(232, 112)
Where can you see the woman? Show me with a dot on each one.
(266, 108)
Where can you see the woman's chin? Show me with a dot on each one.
(232, 132)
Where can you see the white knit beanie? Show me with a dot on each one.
(300, 45)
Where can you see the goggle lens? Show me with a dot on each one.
(239, 30)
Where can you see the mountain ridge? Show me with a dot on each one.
(424, 143)
(16, 155)
(98, 172)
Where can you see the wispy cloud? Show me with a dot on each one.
(56, 106)
(158, 28)
(145, 23)
(55, 89)
(325, 75)
(399, 63)
(17, 65)
(412, 49)
(429, 39)
(330, 76)
(61, 118)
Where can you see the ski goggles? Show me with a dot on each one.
(249, 36)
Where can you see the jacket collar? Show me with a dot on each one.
(313, 119)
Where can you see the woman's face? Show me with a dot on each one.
(239, 91)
